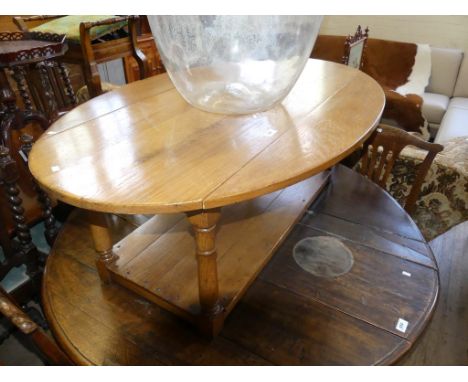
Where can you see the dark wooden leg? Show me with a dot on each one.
(90, 68)
(51, 106)
(11, 116)
(8, 178)
(68, 86)
(204, 225)
(138, 55)
(51, 228)
(20, 79)
(102, 243)
(92, 79)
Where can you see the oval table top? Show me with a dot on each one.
(144, 149)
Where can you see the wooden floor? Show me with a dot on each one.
(445, 341)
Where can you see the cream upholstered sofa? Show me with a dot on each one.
(455, 121)
(445, 103)
(443, 201)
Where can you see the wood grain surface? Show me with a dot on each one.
(143, 149)
(158, 260)
(287, 316)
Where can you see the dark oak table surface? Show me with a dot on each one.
(287, 317)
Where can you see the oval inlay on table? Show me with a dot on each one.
(323, 256)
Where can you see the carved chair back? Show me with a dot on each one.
(381, 150)
(355, 47)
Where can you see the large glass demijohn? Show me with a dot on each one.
(234, 64)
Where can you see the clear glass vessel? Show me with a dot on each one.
(234, 64)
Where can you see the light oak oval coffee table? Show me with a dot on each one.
(144, 150)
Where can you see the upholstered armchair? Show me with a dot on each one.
(443, 201)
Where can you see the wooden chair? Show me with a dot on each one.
(118, 49)
(355, 47)
(380, 152)
(32, 331)
(88, 51)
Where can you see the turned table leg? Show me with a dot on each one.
(102, 243)
(204, 225)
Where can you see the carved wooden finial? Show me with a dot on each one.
(353, 40)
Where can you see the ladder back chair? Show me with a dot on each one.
(383, 147)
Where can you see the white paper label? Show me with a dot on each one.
(404, 273)
(55, 168)
(401, 325)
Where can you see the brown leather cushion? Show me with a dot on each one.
(388, 62)
(329, 48)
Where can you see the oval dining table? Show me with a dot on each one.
(220, 192)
